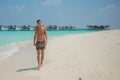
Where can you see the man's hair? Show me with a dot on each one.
(38, 20)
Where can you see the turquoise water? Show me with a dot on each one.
(9, 37)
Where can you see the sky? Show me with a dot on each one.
(78, 13)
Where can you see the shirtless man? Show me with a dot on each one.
(40, 42)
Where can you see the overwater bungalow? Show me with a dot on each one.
(59, 28)
(3, 28)
(31, 28)
(18, 28)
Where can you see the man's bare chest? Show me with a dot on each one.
(40, 31)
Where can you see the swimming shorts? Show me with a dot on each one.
(40, 45)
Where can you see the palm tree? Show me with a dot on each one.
(62, 28)
(101, 27)
(14, 27)
(95, 27)
(28, 27)
(50, 27)
(24, 27)
(55, 27)
(89, 26)
(66, 28)
(10, 27)
(106, 26)
(70, 27)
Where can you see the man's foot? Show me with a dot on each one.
(40, 65)
(38, 68)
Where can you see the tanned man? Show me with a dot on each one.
(40, 42)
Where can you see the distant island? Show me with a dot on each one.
(51, 27)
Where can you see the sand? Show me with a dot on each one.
(88, 56)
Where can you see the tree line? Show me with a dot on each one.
(52, 27)
(29, 27)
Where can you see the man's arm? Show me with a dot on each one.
(35, 35)
(46, 37)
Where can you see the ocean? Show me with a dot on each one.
(10, 41)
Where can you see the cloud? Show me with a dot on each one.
(51, 2)
(107, 8)
(110, 10)
(12, 8)
(108, 14)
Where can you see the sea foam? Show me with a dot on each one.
(8, 50)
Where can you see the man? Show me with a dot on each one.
(40, 42)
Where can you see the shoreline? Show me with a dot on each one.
(51, 35)
(69, 57)
(14, 47)
(23, 44)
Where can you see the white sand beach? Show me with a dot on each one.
(89, 56)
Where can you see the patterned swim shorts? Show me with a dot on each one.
(40, 45)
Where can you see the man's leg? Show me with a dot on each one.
(38, 58)
(42, 56)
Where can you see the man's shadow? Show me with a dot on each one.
(27, 69)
